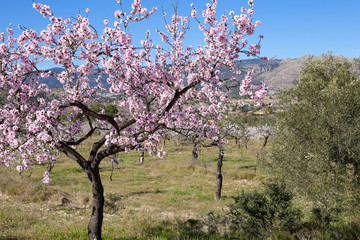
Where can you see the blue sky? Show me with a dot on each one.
(292, 28)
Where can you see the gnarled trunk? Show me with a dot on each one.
(96, 220)
(219, 177)
(266, 138)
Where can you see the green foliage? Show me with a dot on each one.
(260, 214)
(317, 148)
(97, 107)
(110, 109)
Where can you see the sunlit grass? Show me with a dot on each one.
(138, 198)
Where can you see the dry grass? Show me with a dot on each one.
(138, 197)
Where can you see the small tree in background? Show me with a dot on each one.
(154, 82)
(239, 129)
(266, 131)
(224, 130)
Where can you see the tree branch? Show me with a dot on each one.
(95, 148)
(92, 130)
(72, 154)
(112, 149)
(72, 143)
(178, 94)
(93, 114)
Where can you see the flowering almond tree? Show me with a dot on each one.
(153, 81)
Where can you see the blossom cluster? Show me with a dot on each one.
(154, 82)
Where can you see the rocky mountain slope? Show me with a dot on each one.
(277, 74)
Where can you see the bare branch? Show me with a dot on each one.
(96, 115)
(112, 149)
(73, 154)
(72, 143)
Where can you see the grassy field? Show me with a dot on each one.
(142, 201)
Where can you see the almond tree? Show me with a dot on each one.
(153, 81)
(224, 131)
(219, 139)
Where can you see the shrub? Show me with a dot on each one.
(260, 214)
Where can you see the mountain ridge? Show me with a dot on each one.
(278, 74)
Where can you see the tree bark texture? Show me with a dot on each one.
(97, 215)
(354, 170)
(246, 140)
(219, 177)
(195, 154)
(142, 156)
(265, 141)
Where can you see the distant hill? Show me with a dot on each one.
(52, 81)
(281, 76)
(277, 74)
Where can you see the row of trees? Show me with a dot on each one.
(240, 127)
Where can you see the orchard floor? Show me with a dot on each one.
(141, 202)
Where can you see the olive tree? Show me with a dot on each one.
(317, 144)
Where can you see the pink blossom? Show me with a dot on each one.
(144, 11)
(193, 13)
(250, 11)
(155, 86)
(46, 180)
(161, 154)
(19, 168)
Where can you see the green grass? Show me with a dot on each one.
(161, 199)
(148, 201)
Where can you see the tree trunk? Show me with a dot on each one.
(195, 154)
(265, 141)
(246, 140)
(355, 170)
(219, 177)
(142, 156)
(95, 224)
(241, 152)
